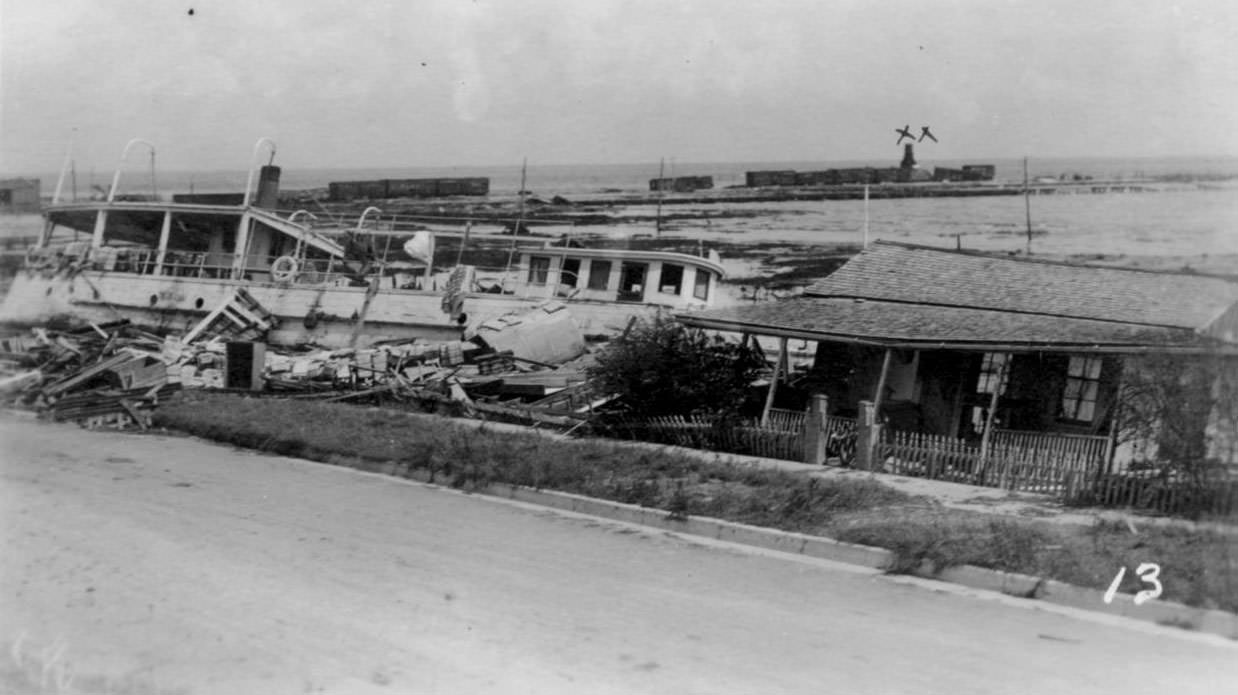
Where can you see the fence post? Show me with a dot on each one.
(867, 436)
(814, 430)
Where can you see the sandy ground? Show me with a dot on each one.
(153, 564)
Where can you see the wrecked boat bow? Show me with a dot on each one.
(169, 265)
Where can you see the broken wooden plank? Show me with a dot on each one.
(143, 419)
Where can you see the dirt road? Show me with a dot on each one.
(153, 564)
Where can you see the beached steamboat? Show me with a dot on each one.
(169, 264)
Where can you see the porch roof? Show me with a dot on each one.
(899, 324)
(925, 275)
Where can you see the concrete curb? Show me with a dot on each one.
(1019, 585)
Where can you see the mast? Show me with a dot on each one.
(64, 168)
(511, 253)
(524, 169)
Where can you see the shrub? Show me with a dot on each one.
(661, 367)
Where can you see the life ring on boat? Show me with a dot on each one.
(284, 269)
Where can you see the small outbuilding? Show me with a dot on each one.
(19, 196)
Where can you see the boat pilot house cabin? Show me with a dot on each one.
(958, 351)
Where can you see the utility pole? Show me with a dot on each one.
(865, 215)
(661, 192)
(1027, 206)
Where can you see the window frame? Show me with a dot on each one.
(539, 270)
(1081, 390)
(994, 367)
(599, 280)
(678, 285)
(700, 290)
(630, 291)
(573, 273)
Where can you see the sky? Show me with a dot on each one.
(373, 83)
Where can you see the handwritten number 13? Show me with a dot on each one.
(1148, 572)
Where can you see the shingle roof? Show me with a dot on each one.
(903, 323)
(925, 275)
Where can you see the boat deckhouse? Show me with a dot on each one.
(325, 282)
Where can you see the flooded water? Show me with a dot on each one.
(1186, 220)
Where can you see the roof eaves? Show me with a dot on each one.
(1004, 310)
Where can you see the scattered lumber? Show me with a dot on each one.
(113, 374)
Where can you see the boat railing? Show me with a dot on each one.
(408, 223)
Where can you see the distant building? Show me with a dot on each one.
(19, 195)
(979, 172)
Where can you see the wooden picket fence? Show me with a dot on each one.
(1211, 492)
(928, 455)
(1024, 461)
(781, 438)
(1042, 462)
(785, 420)
(1028, 462)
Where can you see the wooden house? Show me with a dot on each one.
(972, 352)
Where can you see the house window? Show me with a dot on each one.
(1082, 387)
(672, 279)
(700, 288)
(570, 274)
(599, 275)
(539, 270)
(994, 373)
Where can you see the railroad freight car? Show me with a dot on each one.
(681, 184)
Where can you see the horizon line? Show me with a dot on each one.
(1031, 159)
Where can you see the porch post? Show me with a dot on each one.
(1115, 413)
(773, 382)
(881, 380)
(814, 429)
(986, 436)
(867, 437)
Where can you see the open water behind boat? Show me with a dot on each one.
(1187, 220)
(1176, 223)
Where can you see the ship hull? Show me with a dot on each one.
(328, 316)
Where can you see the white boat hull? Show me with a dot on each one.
(321, 315)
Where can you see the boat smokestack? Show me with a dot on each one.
(909, 157)
(268, 187)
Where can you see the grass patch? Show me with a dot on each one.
(469, 458)
(1198, 568)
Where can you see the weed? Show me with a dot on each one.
(1180, 623)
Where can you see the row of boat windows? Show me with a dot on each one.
(213, 236)
(632, 277)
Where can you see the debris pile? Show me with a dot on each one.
(102, 375)
(528, 367)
